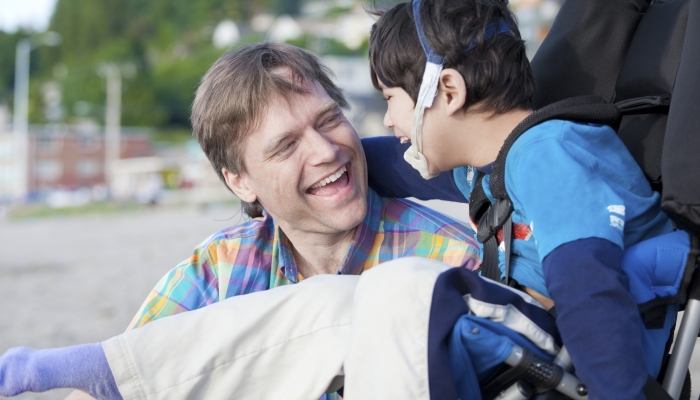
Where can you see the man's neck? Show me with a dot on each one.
(319, 253)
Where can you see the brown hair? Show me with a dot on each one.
(496, 72)
(236, 91)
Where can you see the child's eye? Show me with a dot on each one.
(387, 98)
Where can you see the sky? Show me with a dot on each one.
(34, 14)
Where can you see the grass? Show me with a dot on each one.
(37, 211)
(171, 136)
(42, 211)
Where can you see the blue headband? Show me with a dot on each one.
(493, 29)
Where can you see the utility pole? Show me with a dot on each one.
(113, 73)
(112, 117)
(20, 124)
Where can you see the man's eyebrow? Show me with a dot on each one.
(270, 148)
(331, 105)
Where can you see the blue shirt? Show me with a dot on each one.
(570, 181)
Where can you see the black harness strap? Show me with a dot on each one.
(490, 218)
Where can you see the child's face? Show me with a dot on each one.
(399, 112)
(399, 118)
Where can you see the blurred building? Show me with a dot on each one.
(62, 157)
(535, 18)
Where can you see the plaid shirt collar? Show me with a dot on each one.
(362, 242)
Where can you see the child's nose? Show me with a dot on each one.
(387, 121)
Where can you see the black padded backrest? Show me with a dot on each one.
(680, 165)
(649, 70)
(595, 47)
(585, 49)
(652, 60)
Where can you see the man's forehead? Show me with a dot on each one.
(301, 104)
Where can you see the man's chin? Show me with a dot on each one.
(346, 217)
(345, 208)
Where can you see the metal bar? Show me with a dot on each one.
(563, 360)
(518, 391)
(682, 349)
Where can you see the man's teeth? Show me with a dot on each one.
(330, 179)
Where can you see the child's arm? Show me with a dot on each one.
(597, 318)
(391, 176)
(584, 197)
(82, 367)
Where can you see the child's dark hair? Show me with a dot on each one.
(497, 71)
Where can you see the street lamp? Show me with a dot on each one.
(20, 113)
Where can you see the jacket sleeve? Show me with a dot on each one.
(597, 317)
(391, 176)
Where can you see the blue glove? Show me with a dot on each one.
(82, 367)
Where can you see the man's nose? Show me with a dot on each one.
(322, 148)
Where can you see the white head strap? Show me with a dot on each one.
(428, 88)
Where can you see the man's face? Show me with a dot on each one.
(306, 165)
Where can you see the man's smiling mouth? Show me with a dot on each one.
(330, 179)
(332, 184)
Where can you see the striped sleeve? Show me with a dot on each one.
(410, 229)
(191, 285)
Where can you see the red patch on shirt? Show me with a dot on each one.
(520, 231)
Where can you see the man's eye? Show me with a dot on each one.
(387, 98)
(287, 147)
(334, 119)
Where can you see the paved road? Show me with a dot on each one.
(71, 280)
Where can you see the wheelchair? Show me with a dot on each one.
(643, 56)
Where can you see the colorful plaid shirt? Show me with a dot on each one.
(256, 256)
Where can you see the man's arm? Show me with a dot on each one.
(391, 176)
(193, 284)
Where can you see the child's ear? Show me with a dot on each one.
(452, 89)
(239, 185)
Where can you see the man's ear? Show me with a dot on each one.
(239, 186)
(452, 90)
